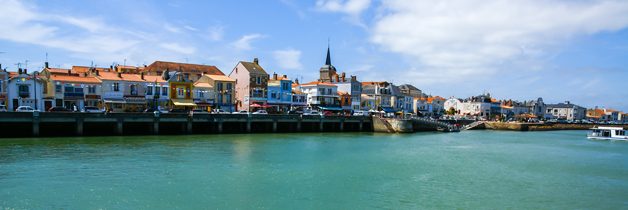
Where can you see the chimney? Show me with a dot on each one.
(119, 75)
(69, 72)
(337, 78)
(296, 81)
(285, 76)
(97, 73)
(19, 71)
(111, 68)
(142, 75)
(25, 71)
(84, 74)
(274, 76)
(354, 78)
(256, 61)
(344, 79)
(46, 64)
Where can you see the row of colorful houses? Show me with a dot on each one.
(248, 86)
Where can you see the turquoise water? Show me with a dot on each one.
(467, 170)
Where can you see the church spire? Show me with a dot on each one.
(328, 61)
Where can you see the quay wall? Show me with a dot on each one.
(541, 126)
(392, 125)
(14, 124)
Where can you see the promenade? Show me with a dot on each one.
(32, 124)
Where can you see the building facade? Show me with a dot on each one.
(251, 85)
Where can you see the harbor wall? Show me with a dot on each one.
(35, 124)
(542, 126)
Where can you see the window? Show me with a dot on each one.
(69, 89)
(273, 95)
(78, 90)
(164, 91)
(58, 88)
(157, 90)
(180, 92)
(1, 85)
(200, 94)
(149, 90)
(133, 89)
(259, 80)
(91, 89)
(321, 91)
(219, 87)
(329, 91)
(229, 87)
(228, 98)
(116, 87)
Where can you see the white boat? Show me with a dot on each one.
(608, 133)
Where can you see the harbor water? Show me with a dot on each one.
(466, 170)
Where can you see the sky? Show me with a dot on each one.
(561, 50)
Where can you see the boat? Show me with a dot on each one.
(608, 133)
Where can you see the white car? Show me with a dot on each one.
(260, 112)
(241, 112)
(25, 109)
(219, 111)
(360, 113)
(311, 112)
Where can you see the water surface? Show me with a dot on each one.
(467, 170)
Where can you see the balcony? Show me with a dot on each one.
(24, 94)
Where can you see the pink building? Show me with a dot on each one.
(251, 85)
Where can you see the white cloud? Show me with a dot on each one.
(244, 43)
(176, 47)
(351, 7)
(461, 40)
(288, 59)
(191, 28)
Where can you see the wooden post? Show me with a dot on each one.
(320, 125)
(156, 123)
(299, 125)
(248, 124)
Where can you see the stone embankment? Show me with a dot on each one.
(541, 126)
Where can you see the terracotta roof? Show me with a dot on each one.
(12, 74)
(58, 70)
(372, 83)
(154, 78)
(83, 69)
(220, 78)
(317, 83)
(74, 79)
(183, 67)
(296, 91)
(124, 77)
(203, 85)
(253, 67)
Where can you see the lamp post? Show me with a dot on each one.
(35, 87)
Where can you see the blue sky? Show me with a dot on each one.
(557, 49)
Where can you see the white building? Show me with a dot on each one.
(25, 90)
(565, 111)
(321, 94)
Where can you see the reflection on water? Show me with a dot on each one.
(470, 170)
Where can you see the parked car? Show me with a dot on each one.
(295, 112)
(360, 113)
(311, 112)
(25, 109)
(219, 111)
(3, 108)
(261, 111)
(58, 109)
(92, 109)
(241, 112)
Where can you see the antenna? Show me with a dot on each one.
(46, 56)
(26, 64)
(124, 62)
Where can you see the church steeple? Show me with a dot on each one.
(328, 60)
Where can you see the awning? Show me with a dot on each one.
(330, 108)
(183, 102)
(114, 101)
(135, 100)
(388, 109)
